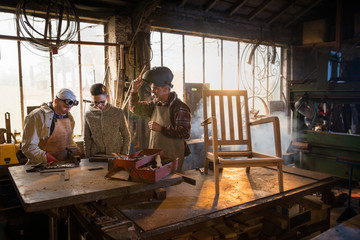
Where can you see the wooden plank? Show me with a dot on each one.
(222, 117)
(280, 176)
(205, 234)
(239, 117)
(306, 173)
(247, 122)
(252, 160)
(194, 208)
(302, 12)
(206, 131)
(41, 191)
(259, 9)
(349, 229)
(231, 118)
(235, 7)
(233, 142)
(225, 231)
(210, 5)
(234, 153)
(245, 165)
(213, 109)
(281, 12)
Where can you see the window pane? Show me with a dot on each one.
(9, 81)
(213, 63)
(155, 42)
(230, 66)
(92, 32)
(193, 59)
(66, 75)
(36, 77)
(8, 24)
(173, 59)
(92, 67)
(274, 74)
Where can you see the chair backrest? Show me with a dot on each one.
(230, 107)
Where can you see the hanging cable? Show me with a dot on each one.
(41, 37)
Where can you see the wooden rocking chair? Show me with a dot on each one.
(234, 125)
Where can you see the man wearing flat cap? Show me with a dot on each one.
(48, 130)
(170, 118)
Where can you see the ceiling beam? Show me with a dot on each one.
(183, 2)
(303, 12)
(259, 9)
(234, 8)
(281, 12)
(210, 4)
(338, 25)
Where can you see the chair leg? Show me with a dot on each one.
(280, 175)
(217, 181)
(206, 167)
(247, 169)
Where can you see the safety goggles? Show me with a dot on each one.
(69, 102)
(98, 103)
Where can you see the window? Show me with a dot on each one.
(223, 64)
(35, 70)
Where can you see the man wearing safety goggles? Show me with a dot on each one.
(105, 127)
(48, 130)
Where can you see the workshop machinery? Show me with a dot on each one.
(325, 119)
(8, 148)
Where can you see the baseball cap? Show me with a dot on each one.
(67, 96)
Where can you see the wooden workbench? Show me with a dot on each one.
(43, 191)
(347, 230)
(188, 208)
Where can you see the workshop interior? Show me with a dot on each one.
(272, 89)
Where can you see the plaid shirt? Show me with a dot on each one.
(180, 114)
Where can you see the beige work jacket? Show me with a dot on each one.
(36, 128)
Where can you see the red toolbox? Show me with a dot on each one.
(141, 166)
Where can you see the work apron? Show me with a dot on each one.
(59, 140)
(172, 147)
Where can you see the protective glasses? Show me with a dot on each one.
(69, 102)
(98, 103)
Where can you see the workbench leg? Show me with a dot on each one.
(280, 177)
(53, 228)
(74, 227)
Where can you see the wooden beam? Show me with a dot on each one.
(210, 4)
(259, 9)
(303, 12)
(183, 2)
(338, 24)
(234, 8)
(281, 12)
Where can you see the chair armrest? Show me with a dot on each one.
(276, 126)
(272, 119)
(207, 121)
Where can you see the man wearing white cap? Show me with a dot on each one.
(48, 130)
